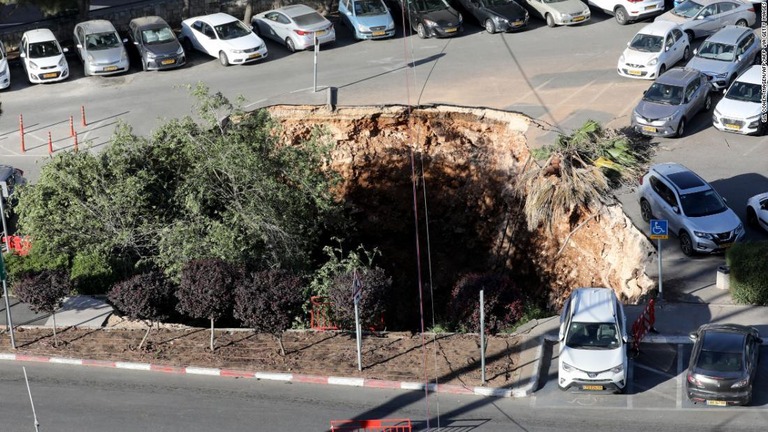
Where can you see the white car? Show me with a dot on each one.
(655, 48)
(42, 57)
(5, 73)
(224, 37)
(294, 26)
(739, 110)
(757, 211)
(627, 11)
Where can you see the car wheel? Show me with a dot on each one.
(223, 58)
(421, 31)
(645, 211)
(708, 103)
(662, 69)
(691, 35)
(741, 23)
(621, 15)
(489, 26)
(686, 245)
(550, 21)
(681, 128)
(290, 45)
(687, 53)
(751, 217)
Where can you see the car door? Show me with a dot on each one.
(762, 214)
(414, 16)
(80, 41)
(208, 39)
(23, 50)
(693, 100)
(138, 41)
(706, 21)
(679, 45)
(672, 50)
(345, 11)
(664, 203)
(746, 50)
(727, 13)
(536, 7)
(475, 7)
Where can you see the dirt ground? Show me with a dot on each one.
(390, 356)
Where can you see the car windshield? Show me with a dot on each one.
(497, 2)
(158, 35)
(687, 9)
(593, 336)
(647, 43)
(232, 30)
(430, 5)
(664, 94)
(745, 92)
(715, 361)
(717, 51)
(554, 1)
(102, 41)
(704, 203)
(43, 49)
(309, 19)
(370, 7)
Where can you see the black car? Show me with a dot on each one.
(497, 15)
(723, 364)
(157, 43)
(432, 18)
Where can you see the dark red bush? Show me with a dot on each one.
(206, 289)
(504, 304)
(269, 301)
(146, 296)
(376, 286)
(43, 290)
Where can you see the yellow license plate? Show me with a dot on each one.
(450, 29)
(716, 403)
(634, 72)
(255, 55)
(732, 126)
(379, 33)
(726, 245)
(320, 32)
(110, 68)
(578, 18)
(592, 387)
(169, 61)
(518, 23)
(650, 7)
(649, 129)
(50, 75)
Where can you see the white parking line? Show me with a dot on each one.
(660, 372)
(679, 376)
(630, 385)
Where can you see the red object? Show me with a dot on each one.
(82, 114)
(75, 146)
(21, 132)
(19, 245)
(643, 324)
(50, 144)
(385, 425)
(71, 126)
(319, 316)
(301, 32)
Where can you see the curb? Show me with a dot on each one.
(276, 376)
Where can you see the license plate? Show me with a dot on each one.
(253, 56)
(716, 403)
(592, 387)
(649, 129)
(110, 68)
(320, 32)
(634, 72)
(450, 29)
(50, 75)
(518, 23)
(578, 18)
(732, 126)
(726, 245)
(650, 7)
(169, 61)
(379, 33)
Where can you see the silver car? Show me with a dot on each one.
(703, 17)
(695, 212)
(671, 102)
(295, 26)
(100, 48)
(725, 55)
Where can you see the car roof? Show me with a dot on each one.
(729, 34)
(296, 10)
(709, 2)
(218, 18)
(753, 75)
(6, 171)
(679, 76)
(658, 28)
(147, 21)
(724, 338)
(681, 177)
(593, 305)
(97, 26)
(39, 35)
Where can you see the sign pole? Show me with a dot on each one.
(357, 289)
(314, 80)
(661, 290)
(482, 338)
(659, 232)
(9, 320)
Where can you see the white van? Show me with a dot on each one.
(593, 342)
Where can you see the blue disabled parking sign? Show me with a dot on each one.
(659, 229)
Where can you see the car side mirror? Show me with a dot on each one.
(676, 209)
(79, 46)
(739, 58)
(125, 40)
(695, 51)
(22, 55)
(66, 50)
(700, 17)
(666, 48)
(693, 336)
(136, 43)
(725, 91)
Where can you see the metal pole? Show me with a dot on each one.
(34, 414)
(317, 48)
(9, 321)
(482, 337)
(5, 228)
(661, 291)
(359, 340)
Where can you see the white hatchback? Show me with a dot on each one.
(627, 11)
(739, 110)
(654, 49)
(42, 57)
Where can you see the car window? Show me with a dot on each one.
(158, 35)
(309, 19)
(198, 25)
(670, 40)
(347, 4)
(646, 43)
(664, 94)
(717, 51)
(102, 41)
(746, 43)
(663, 191)
(716, 361)
(369, 7)
(687, 9)
(80, 35)
(691, 89)
(592, 336)
(44, 49)
(208, 31)
(704, 203)
(709, 10)
(678, 34)
(725, 7)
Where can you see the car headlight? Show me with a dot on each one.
(566, 367)
(565, 16)
(62, 62)
(361, 27)
(32, 65)
(90, 58)
(703, 235)
(526, 15)
(621, 59)
(461, 18)
(500, 20)
(722, 75)
(124, 56)
(666, 119)
(180, 51)
(234, 51)
(585, 12)
(618, 369)
(741, 383)
(151, 55)
(739, 229)
(3, 71)
(430, 23)
(653, 61)
(391, 25)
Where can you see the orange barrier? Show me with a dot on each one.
(643, 324)
(319, 316)
(19, 245)
(385, 425)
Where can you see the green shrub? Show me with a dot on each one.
(749, 272)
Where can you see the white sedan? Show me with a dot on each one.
(223, 36)
(757, 211)
(295, 26)
(655, 48)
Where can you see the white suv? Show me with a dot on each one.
(593, 342)
(627, 11)
(695, 212)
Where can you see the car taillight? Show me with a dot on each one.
(301, 32)
(635, 1)
(752, 9)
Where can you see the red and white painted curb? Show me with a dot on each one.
(276, 376)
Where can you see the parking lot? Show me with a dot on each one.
(656, 382)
